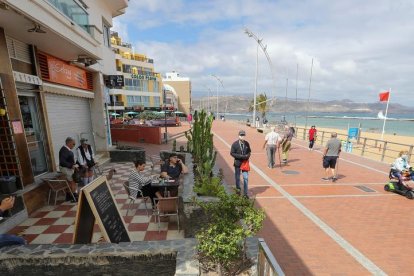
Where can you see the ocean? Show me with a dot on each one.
(398, 124)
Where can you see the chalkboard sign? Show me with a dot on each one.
(97, 203)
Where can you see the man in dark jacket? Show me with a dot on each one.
(240, 150)
(68, 166)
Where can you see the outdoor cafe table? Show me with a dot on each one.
(160, 183)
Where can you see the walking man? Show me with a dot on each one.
(272, 140)
(240, 150)
(286, 142)
(330, 156)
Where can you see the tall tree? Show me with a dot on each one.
(261, 104)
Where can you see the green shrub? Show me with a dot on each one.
(231, 220)
(209, 186)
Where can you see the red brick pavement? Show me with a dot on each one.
(376, 224)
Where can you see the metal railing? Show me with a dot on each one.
(379, 150)
(266, 263)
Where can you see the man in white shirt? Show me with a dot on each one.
(272, 141)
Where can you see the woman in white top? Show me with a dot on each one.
(86, 161)
(401, 166)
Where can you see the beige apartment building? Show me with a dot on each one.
(142, 85)
(182, 89)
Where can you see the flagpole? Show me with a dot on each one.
(386, 112)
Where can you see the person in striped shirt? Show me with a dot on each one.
(138, 181)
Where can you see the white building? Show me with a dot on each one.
(53, 55)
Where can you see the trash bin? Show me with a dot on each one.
(8, 184)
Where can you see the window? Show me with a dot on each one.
(106, 29)
(156, 101)
(155, 86)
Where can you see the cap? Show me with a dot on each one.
(83, 140)
(242, 133)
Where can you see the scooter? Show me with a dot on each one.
(401, 189)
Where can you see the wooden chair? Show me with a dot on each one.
(132, 198)
(58, 185)
(167, 206)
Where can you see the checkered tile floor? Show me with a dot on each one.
(55, 224)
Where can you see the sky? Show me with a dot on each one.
(358, 48)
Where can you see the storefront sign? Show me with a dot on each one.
(63, 73)
(17, 127)
(26, 78)
(143, 77)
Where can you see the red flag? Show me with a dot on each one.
(384, 96)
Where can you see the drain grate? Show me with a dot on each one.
(290, 172)
(365, 189)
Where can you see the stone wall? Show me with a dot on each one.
(135, 258)
(129, 155)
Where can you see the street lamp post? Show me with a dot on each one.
(165, 116)
(263, 47)
(208, 100)
(217, 108)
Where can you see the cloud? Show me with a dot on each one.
(358, 48)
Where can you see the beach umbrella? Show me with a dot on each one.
(131, 113)
(114, 114)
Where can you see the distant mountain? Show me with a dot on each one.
(240, 104)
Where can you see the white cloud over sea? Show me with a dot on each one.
(359, 48)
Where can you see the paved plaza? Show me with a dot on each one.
(351, 227)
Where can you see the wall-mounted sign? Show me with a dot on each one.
(143, 77)
(114, 81)
(17, 127)
(63, 73)
(26, 78)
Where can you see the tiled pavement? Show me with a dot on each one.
(55, 224)
(299, 208)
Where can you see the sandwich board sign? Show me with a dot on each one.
(97, 204)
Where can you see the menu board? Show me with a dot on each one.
(97, 203)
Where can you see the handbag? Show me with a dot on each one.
(245, 165)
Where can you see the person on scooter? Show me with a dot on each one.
(400, 168)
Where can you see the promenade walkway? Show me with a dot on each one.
(323, 228)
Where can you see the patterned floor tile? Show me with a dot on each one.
(64, 221)
(175, 235)
(29, 222)
(55, 214)
(46, 221)
(70, 229)
(63, 208)
(56, 229)
(138, 226)
(18, 230)
(154, 226)
(137, 235)
(155, 235)
(140, 219)
(64, 238)
(35, 229)
(40, 214)
(45, 239)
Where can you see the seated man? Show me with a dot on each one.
(5, 239)
(400, 168)
(138, 181)
(173, 168)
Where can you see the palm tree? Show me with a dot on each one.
(261, 102)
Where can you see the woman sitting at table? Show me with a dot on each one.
(138, 181)
(173, 167)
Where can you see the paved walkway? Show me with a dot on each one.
(323, 228)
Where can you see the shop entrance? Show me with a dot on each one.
(33, 128)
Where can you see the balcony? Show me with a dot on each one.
(74, 11)
(116, 103)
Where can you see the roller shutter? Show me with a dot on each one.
(68, 116)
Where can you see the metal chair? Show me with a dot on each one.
(110, 174)
(58, 185)
(132, 198)
(164, 207)
(155, 160)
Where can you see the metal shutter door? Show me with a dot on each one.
(68, 116)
